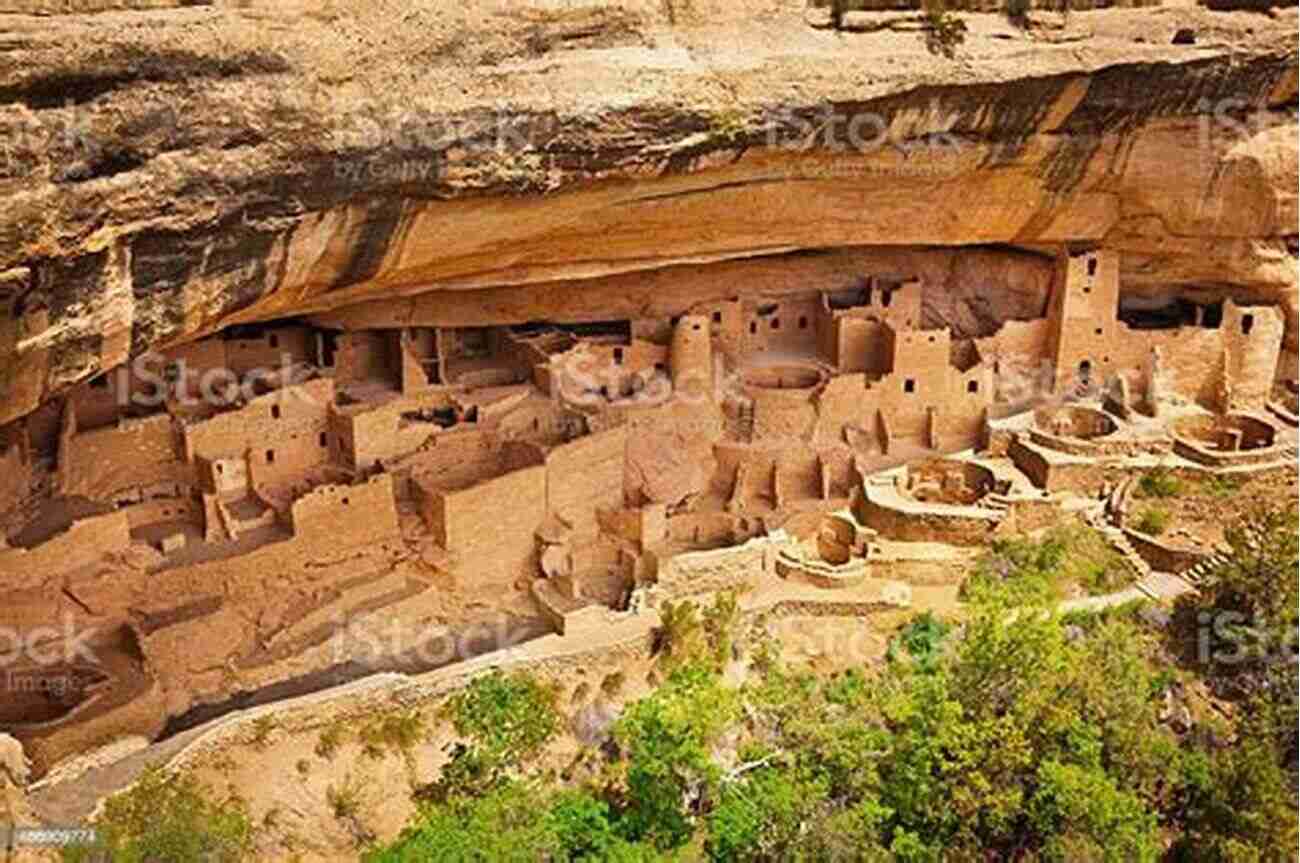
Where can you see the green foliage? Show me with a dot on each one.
(1006, 737)
(508, 718)
(945, 32)
(760, 817)
(1160, 482)
(330, 740)
(1017, 10)
(680, 638)
(667, 738)
(398, 731)
(168, 817)
(1152, 521)
(921, 640)
(1024, 571)
(1221, 485)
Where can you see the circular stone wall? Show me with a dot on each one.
(948, 481)
(1074, 421)
(1230, 433)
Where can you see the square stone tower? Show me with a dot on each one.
(1084, 312)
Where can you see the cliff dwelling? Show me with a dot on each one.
(354, 353)
(221, 485)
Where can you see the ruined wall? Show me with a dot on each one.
(15, 476)
(490, 527)
(270, 351)
(285, 434)
(158, 510)
(696, 572)
(134, 453)
(585, 475)
(82, 544)
(340, 516)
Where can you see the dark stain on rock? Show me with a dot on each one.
(126, 65)
(372, 240)
(231, 254)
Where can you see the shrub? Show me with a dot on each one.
(945, 32)
(262, 728)
(921, 640)
(330, 739)
(169, 817)
(1152, 521)
(397, 731)
(1160, 482)
(345, 799)
(1216, 485)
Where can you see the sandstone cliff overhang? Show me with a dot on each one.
(170, 172)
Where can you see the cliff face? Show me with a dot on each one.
(168, 172)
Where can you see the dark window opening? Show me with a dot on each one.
(471, 414)
(776, 323)
(886, 296)
(972, 386)
(1212, 317)
(909, 386)
(537, 424)
(660, 367)
(1092, 266)
(717, 317)
(270, 456)
(618, 356)
(1247, 324)
(346, 501)
(753, 327)
(326, 344)
(324, 439)
(273, 340)
(220, 468)
(803, 323)
(275, 412)
(1085, 371)
(1097, 331)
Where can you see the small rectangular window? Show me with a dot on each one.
(324, 439)
(270, 456)
(274, 340)
(1247, 324)
(972, 386)
(803, 323)
(275, 412)
(909, 385)
(618, 356)
(717, 317)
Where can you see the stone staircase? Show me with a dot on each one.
(995, 502)
(1156, 585)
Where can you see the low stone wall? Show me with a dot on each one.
(696, 572)
(820, 573)
(1190, 450)
(1162, 557)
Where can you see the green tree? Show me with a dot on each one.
(667, 738)
(168, 816)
